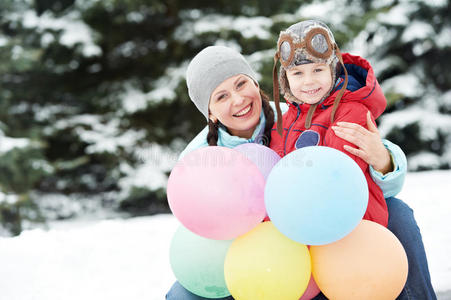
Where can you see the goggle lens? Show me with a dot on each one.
(285, 51)
(319, 43)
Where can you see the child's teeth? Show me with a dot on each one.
(312, 91)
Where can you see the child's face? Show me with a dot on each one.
(310, 82)
(237, 104)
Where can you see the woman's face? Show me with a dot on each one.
(237, 104)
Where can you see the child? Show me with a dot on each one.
(323, 88)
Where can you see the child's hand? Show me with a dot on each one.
(370, 147)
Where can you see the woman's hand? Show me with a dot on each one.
(370, 147)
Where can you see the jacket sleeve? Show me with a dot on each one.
(392, 182)
(199, 141)
(347, 112)
(276, 140)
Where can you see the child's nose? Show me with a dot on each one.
(308, 79)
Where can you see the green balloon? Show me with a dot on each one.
(198, 263)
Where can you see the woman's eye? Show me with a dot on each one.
(241, 83)
(318, 70)
(220, 97)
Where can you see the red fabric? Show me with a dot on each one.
(352, 108)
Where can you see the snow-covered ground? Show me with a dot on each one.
(128, 259)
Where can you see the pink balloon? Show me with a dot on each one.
(312, 290)
(264, 157)
(217, 193)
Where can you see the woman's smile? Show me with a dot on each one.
(245, 112)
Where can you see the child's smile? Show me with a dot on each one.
(312, 92)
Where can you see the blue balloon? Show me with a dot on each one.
(316, 195)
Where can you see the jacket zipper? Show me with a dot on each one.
(288, 132)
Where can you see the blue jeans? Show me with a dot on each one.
(178, 292)
(402, 223)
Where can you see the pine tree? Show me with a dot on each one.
(94, 106)
(97, 90)
(410, 42)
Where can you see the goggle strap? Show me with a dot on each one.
(343, 88)
(275, 84)
(308, 120)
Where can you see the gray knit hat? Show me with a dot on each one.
(209, 68)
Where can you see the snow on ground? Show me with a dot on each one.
(128, 259)
(109, 259)
(428, 193)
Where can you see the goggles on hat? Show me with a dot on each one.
(316, 42)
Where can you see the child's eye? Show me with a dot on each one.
(318, 70)
(298, 73)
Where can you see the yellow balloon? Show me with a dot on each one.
(369, 263)
(264, 264)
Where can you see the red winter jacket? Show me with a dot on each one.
(363, 93)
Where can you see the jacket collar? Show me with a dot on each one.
(225, 139)
(365, 89)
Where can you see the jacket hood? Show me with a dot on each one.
(362, 87)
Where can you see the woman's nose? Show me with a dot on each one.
(237, 99)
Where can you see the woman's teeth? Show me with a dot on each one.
(243, 111)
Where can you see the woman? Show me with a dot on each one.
(223, 87)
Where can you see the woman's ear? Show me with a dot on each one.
(256, 83)
(212, 118)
